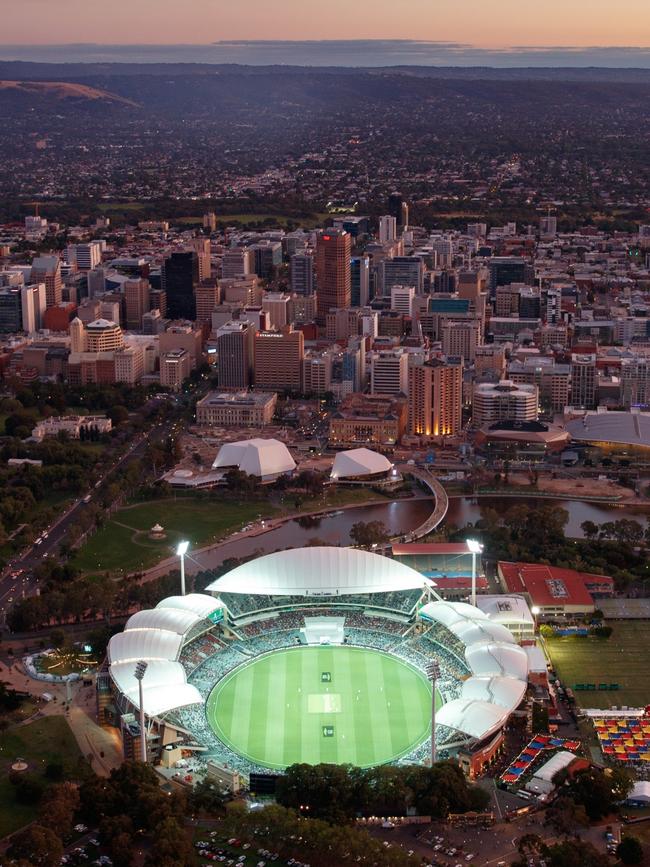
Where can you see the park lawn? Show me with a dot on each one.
(46, 740)
(622, 659)
(334, 497)
(316, 219)
(123, 543)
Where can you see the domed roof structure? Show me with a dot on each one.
(265, 458)
(359, 462)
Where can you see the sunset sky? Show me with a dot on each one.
(500, 23)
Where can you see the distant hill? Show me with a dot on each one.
(16, 93)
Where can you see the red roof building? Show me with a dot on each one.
(555, 592)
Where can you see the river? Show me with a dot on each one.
(399, 517)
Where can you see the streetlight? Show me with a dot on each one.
(535, 610)
(182, 551)
(140, 669)
(433, 673)
(475, 547)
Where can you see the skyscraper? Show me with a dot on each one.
(180, 274)
(278, 359)
(47, 269)
(435, 398)
(33, 306)
(302, 273)
(398, 208)
(235, 349)
(387, 228)
(360, 280)
(333, 271)
(136, 298)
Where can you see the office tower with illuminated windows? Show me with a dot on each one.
(334, 283)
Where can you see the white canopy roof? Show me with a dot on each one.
(478, 719)
(160, 672)
(198, 603)
(477, 631)
(498, 659)
(510, 608)
(505, 691)
(359, 462)
(549, 769)
(452, 612)
(319, 571)
(264, 458)
(163, 618)
(146, 644)
(161, 699)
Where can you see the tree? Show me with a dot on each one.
(207, 797)
(38, 846)
(570, 853)
(59, 807)
(599, 792)
(369, 534)
(589, 529)
(630, 850)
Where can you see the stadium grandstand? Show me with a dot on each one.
(288, 657)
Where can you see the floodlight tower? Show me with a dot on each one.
(475, 547)
(140, 669)
(433, 673)
(182, 551)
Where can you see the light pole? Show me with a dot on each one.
(182, 551)
(535, 612)
(475, 548)
(433, 673)
(140, 669)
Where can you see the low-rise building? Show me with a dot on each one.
(72, 425)
(239, 409)
(363, 420)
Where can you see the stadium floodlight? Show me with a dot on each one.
(475, 547)
(535, 611)
(140, 670)
(182, 551)
(433, 673)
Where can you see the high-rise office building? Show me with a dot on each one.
(207, 296)
(103, 336)
(279, 308)
(235, 350)
(302, 277)
(158, 300)
(84, 257)
(402, 271)
(175, 367)
(401, 299)
(435, 398)
(180, 274)
(509, 269)
(137, 302)
(33, 306)
(201, 247)
(333, 249)
(460, 338)
(583, 380)
(268, 258)
(389, 372)
(11, 314)
(47, 270)
(278, 357)
(398, 209)
(210, 221)
(237, 262)
(505, 401)
(548, 226)
(387, 228)
(360, 280)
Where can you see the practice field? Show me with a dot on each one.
(332, 704)
(622, 659)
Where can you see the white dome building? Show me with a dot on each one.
(361, 464)
(266, 459)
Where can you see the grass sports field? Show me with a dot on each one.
(622, 659)
(322, 704)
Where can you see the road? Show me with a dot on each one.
(25, 584)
